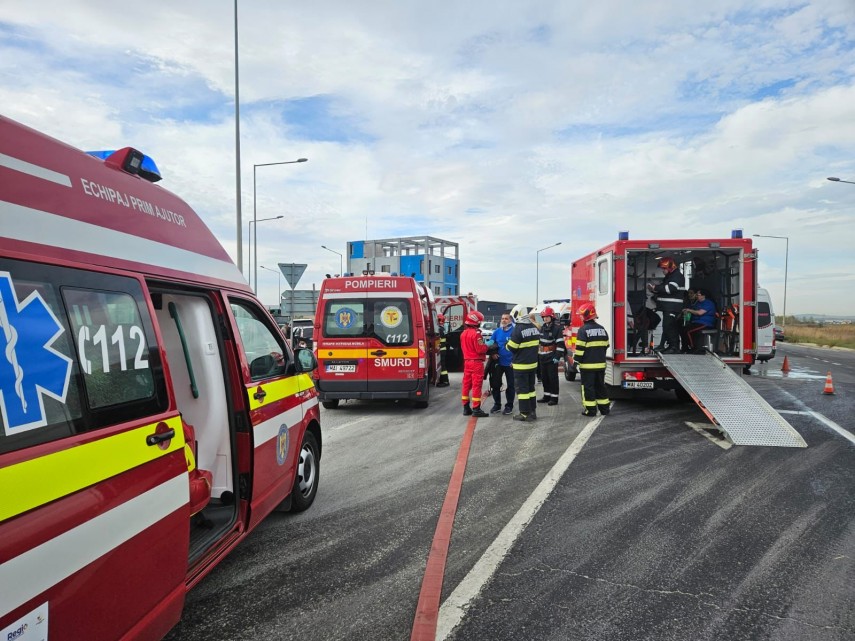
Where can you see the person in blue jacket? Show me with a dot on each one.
(701, 316)
(500, 338)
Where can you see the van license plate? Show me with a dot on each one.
(638, 384)
(341, 368)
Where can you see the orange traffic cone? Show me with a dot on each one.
(829, 385)
(786, 366)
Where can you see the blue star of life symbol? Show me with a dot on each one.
(30, 367)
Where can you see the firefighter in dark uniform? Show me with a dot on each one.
(550, 352)
(523, 344)
(443, 372)
(474, 349)
(592, 342)
(670, 295)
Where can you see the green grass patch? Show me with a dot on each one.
(821, 334)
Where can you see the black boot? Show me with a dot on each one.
(553, 401)
(467, 411)
(478, 412)
(545, 399)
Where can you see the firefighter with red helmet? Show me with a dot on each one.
(443, 371)
(474, 350)
(670, 295)
(592, 343)
(550, 353)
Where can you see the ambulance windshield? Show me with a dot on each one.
(389, 320)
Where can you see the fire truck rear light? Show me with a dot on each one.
(633, 376)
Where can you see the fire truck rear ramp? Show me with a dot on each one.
(740, 413)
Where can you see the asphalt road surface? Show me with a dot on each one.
(643, 525)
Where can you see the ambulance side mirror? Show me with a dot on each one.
(262, 366)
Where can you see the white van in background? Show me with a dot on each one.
(765, 326)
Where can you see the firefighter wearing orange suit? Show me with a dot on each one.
(474, 350)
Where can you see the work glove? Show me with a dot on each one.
(555, 361)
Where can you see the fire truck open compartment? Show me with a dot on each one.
(718, 270)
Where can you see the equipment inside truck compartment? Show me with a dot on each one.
(718, 271)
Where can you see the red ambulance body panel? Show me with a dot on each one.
(134, 359)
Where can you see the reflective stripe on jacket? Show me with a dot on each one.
(551, 342)
(523, 344)
(671, 292)
(592, 342)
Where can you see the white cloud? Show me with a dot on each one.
(503, 126)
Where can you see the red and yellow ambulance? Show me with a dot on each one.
(152, 413)
(376, 337)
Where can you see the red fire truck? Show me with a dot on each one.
(615, 279)
(151, 412)
(455, 308)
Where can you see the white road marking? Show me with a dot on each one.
(849, 436)
(455, 606)
(348, 424)
(700, 429)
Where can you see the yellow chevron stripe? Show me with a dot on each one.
(277, 390)
(32, 483)
(342, 353)
(393, 352)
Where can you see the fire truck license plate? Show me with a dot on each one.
(638, 384)
(341, 368)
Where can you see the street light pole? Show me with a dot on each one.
(835, 179)
(278, 272)
(786, 264)
(237, 149)
(537, 276)
(255, 208)
(340, 259)
(253, 248)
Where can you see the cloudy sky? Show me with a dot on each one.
(503, 126)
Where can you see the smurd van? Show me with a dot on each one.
(152, 413)
(376, 337)
(765, 326)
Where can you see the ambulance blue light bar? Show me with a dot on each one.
(132, 161)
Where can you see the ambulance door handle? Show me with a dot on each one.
(160, 437)
(259, 394)
(378, 352)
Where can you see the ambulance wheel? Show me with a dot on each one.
(306, 477)
(330, 405)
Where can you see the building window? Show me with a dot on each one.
(386, 268)
(437, 290)
(436, 269)
(448, 269)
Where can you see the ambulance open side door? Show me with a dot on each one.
(604, 296)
